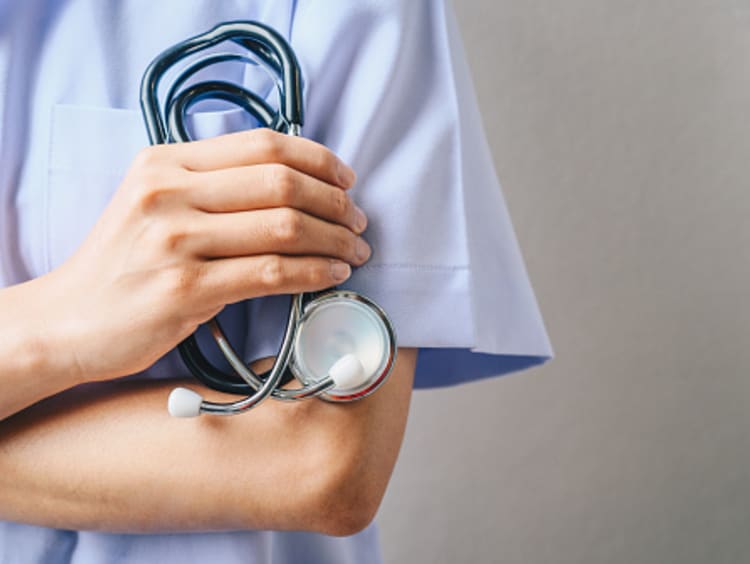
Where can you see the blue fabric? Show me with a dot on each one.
(24, 544)
(387, 88)
(447, 366)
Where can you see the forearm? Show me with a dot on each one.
(28, 371)
(112, 459)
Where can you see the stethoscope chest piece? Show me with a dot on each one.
(345, 336)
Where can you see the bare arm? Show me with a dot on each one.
(192, 227)
(112, 459)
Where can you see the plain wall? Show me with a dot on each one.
(621, 134)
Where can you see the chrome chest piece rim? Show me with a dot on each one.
(340, 323)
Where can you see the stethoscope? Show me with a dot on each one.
(339, 345)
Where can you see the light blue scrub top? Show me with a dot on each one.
(386, 87)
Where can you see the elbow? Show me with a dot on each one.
(344, 514)
(350, 495)
(350, 454)
(347, 519)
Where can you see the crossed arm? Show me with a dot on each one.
(192, 227)
(110, 458)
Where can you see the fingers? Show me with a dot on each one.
(235, 279)
(283, 231)
(263, 146)
(272, 186)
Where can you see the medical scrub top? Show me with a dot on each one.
(386, 87)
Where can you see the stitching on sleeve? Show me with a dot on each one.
(417, 267)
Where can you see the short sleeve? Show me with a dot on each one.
(388, 89)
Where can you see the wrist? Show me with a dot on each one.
(31, 365)
(35, 339)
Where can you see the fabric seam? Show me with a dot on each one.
(418, 267)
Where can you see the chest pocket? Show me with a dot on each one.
(91, 149)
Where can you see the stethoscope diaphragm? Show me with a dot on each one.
(345, 336)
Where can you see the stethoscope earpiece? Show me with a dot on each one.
(347, 373)
(183, 402)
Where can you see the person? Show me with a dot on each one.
(112, 253)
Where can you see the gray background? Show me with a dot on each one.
(621, 133)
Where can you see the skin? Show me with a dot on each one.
(192, 227)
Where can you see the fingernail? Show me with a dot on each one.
(363, 250)
(360, 220)
(340, 271)
(346, 175)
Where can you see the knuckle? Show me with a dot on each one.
(282, 182)
(183, 281)
(345, 245)
(272, 272)
(169, 237)
(153, 186)
(341, 204)
(144, 158)
(319, 275)
(174, 240)
(289, 226)
(150, 156)
(267, 143)
(328, 163)
(148, 197)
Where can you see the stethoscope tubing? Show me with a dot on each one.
(272, 51)
(167, 124)
(267, 44)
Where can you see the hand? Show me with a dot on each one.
(194, 227)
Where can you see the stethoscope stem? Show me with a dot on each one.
(252, 380)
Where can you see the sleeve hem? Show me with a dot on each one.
(431, 309)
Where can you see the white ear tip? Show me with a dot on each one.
(348, 372)
(184, 403)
